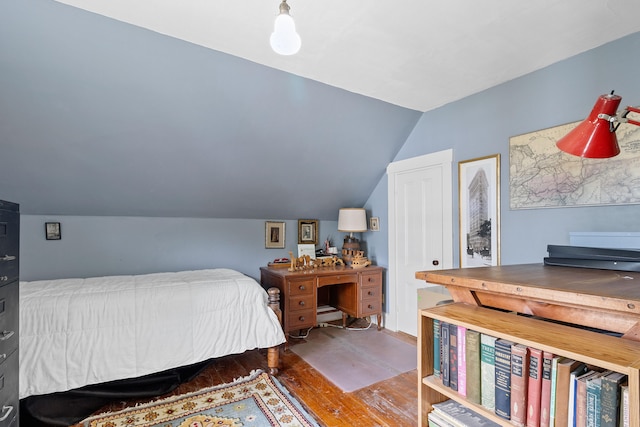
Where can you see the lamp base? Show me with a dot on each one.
(350, 248)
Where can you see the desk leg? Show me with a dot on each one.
(344, 319)
(379, 318)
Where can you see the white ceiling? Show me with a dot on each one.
(417, 54)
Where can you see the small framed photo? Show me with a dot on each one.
(479, 215)
(274, 234)
(307, 249)
(52, 231)
(374, 223)
(308, 231)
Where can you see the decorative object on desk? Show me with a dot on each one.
(258, 399)
(305, 262)
(274, 234)
(351, 220)
(595, 137)
(52, 231)
(374, 223)
(359, 260)
(479, 211)
(308, 231)
(305, 249)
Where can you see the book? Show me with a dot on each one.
(565, 367)
(554, 381)
(453, 357)
(519, 380)
(436, 348)
(571, 417)
(624, 406)
(503, 378)
(461, 416)
(474, 383)
(581, 398)
(594, 384)
(545, 391)
(444, 354)
(487, 371)
(610, 398)
(462, 360)
(534, 387)
(436, 420)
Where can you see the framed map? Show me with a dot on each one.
(542, 176)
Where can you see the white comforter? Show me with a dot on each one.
(75, 332)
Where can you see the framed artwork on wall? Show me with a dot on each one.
(52, 231)
(374, 223)
(479, 211)
(274, 234)
(308, 231)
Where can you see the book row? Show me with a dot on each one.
(525, 385)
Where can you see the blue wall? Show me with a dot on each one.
(96, 246)
(482, 124)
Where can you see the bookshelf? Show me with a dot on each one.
(593, 298)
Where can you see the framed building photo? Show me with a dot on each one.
(274, 234)
(479, 211)
(308, 231)
(52, 231)
(374, 223)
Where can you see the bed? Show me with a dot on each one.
(78, 332)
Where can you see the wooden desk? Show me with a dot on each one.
(359, 293)
(604, 299)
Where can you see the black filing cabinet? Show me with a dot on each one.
(9, 306)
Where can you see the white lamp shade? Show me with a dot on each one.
(352, 220)
(284, 39)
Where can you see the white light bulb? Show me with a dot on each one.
(284, 39)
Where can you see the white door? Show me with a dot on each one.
(420, 230)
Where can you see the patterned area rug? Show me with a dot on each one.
(258, 400)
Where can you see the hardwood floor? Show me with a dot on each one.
(393, 402)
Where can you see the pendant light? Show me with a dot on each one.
(284, 39)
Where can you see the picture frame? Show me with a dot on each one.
(52, 231)
(274, 234)
(307, 249)
(308, 231)
(374, 223)
(479, 211)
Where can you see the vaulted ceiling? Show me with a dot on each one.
(180, 108)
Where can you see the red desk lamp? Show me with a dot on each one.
(595, 137)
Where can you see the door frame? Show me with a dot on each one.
(441, 159)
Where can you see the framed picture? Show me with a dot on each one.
(52, 231)
(274, 234)
(374, 223)
(308, 231)
(307, 249)
(479, 211)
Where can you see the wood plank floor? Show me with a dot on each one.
(393, 402)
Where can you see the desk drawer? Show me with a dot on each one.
(9, 390)
(305, 286)
(301, 319)
(370, 306)
(9, 245)
(9, 318)
(301, 302)
(337, 279)
(371, 279)
(371, 292)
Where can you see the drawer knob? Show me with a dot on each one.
(370, 307)
(370, 279)
(6, 409)
(301, 318)
(302, 287)
(8, 258)
(5, 335)
(3, 356)
(301, 303)
(370, 293)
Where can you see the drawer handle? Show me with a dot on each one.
(301, 318)
(301, 303)
(4, 278)
(302, 287)
(8, 258)
(3, 356)
(370, 279)
(370, 307)
(370, 293)
(8, 409)
(5, 335)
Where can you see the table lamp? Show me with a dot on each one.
(351, 220)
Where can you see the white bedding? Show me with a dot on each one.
(75, 332)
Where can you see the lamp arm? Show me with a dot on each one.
(624, 119)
